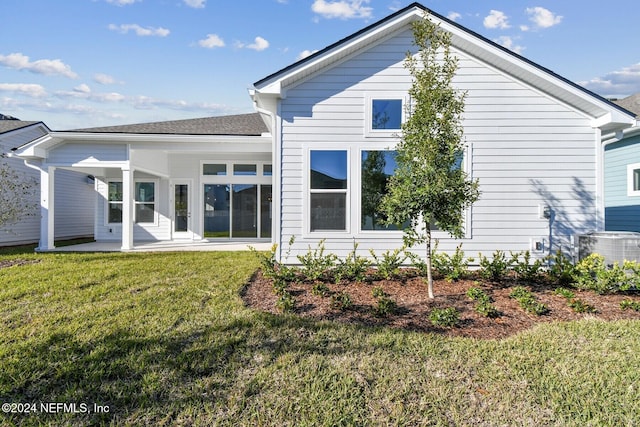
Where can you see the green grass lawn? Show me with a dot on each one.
(164, 339)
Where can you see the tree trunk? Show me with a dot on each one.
(428, 259)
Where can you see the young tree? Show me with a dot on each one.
(17, 194)
(429, 187)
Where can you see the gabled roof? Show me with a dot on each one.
(237, 125)
(605, 113)
(11, 125)
(631, 103)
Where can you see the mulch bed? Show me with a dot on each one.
(414, 306)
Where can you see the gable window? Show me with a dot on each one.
(144, 202)
(328, 186)
(633, 180)
(386, 114)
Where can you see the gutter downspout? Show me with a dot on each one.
(276, 180)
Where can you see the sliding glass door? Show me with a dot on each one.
(237, 211)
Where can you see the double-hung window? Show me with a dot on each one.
(144, 202)
(328, 187)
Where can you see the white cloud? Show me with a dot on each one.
(496, 19)
(18, 61)
(83, 88)
(196, 4)
(543, 18)
(508, 42)
(29, 89)
(212, 41)
(305, 53)
(343, 9)
(454, 16)
(259, 44)
(122, 2)
(104, 79)
(616, 84)
(140, 31)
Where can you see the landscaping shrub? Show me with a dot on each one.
(630, 305)
(286, 302)
(483, 306)
(320, 289)
(316, 264)
(446, 317)
(524, 268)
(592, 273)
(495, 268)
(561, 270)
(385, 305)
(341, 301)
(388, 265)
(353, 267)
(452, 267)
(576, 304)
(527, 301)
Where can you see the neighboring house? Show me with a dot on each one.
(295, 169)
(622, 174)
(74, 216)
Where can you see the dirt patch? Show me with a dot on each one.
(5, 263)
(414, 306)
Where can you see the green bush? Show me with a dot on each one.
(564, 292)
(385, 305)
(316, 265)
(629, 304)
(528, 302)
(580, 306)
(320, 289)
(286, 302)
(484, 307)
(353, 267)
(495, 268)
(561, 270)
(452, 267)
(525, 268)
(591, 273)
(389, 264)
(446, 317)
(341, 301)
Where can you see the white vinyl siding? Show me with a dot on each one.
(525, 148)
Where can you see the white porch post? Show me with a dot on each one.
(47, 208)
(127, 209)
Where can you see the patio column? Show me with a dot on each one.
(127, 208)
(47, 208)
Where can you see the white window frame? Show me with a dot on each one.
(369, 132)
(156, 186)
(631, 191)
(309, 191)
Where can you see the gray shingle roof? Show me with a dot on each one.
(631, 103)
(240, 125)
(9, 125)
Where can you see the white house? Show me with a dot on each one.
(73, 213)
(533, 141)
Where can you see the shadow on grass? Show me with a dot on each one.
(148, 380)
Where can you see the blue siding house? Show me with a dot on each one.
(622, 175)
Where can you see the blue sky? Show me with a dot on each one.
(84, 63)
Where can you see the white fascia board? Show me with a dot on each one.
(279, 83)
(36, 149)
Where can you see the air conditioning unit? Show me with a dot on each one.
(614, 246)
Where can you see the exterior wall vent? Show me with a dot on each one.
(613, 245)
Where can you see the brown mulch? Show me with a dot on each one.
(414, 306)
(14, 262)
